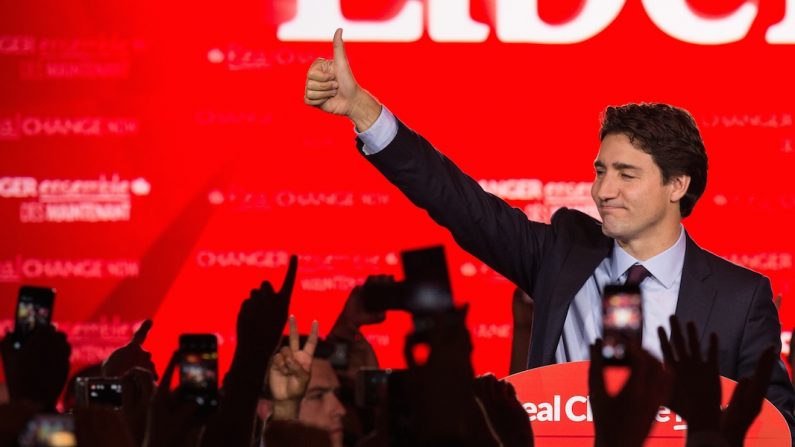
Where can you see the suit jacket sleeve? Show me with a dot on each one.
(481, 223)
(762, 329)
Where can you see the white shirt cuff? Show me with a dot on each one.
(380, 134)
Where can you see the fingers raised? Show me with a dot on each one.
(289, 279)
(279, 360)
(142, 332)
(692, 338)
(294, 342)
(266, 288)
(165, 384)
(665, 345)
(712, 354)
(596, 382)
(311, 342)
(678, 339)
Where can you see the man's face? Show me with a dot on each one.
(629, 192)
(320, 407)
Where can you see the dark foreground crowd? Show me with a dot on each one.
(305, 391)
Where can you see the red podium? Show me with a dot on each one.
(556, 400)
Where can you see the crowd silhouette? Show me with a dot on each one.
(301, 390)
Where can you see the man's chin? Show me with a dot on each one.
(611, 231)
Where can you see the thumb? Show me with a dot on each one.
(141, 333)
(340, 58)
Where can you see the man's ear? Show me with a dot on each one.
(679, 185)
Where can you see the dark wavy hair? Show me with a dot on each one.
(670, 135)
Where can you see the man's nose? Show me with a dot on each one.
(337, 409)
(606, 187)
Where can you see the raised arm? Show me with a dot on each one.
(481, 223)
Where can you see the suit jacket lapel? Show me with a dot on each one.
(580, 263)
(696, 294)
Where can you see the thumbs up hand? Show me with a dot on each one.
(331, 87)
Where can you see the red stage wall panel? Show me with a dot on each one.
(158, 160)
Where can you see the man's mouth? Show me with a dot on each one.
(610, 207)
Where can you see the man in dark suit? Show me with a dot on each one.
(650, 171)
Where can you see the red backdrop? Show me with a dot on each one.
(158, 160)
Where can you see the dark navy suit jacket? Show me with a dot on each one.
(551, 262)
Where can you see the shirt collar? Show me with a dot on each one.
(666, 267)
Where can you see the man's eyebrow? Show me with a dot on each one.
(624, 166)
(619, 166)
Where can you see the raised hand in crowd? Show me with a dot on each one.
(441, 390)
(746, 401)
(359, 353)
(37, 371)
(260, 324)
(696, 392)
(625, 419)
(138, 388)
(504, 411)
(134, 365)
(331, 87)
(290, 371)
(354, 315)
(131, 355)
(263, 315)
(172, 421)
(347, 328)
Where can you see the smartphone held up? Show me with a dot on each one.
(425, 289)
(622, 321)
(34, 309)
(103, 391)
(198, 370)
